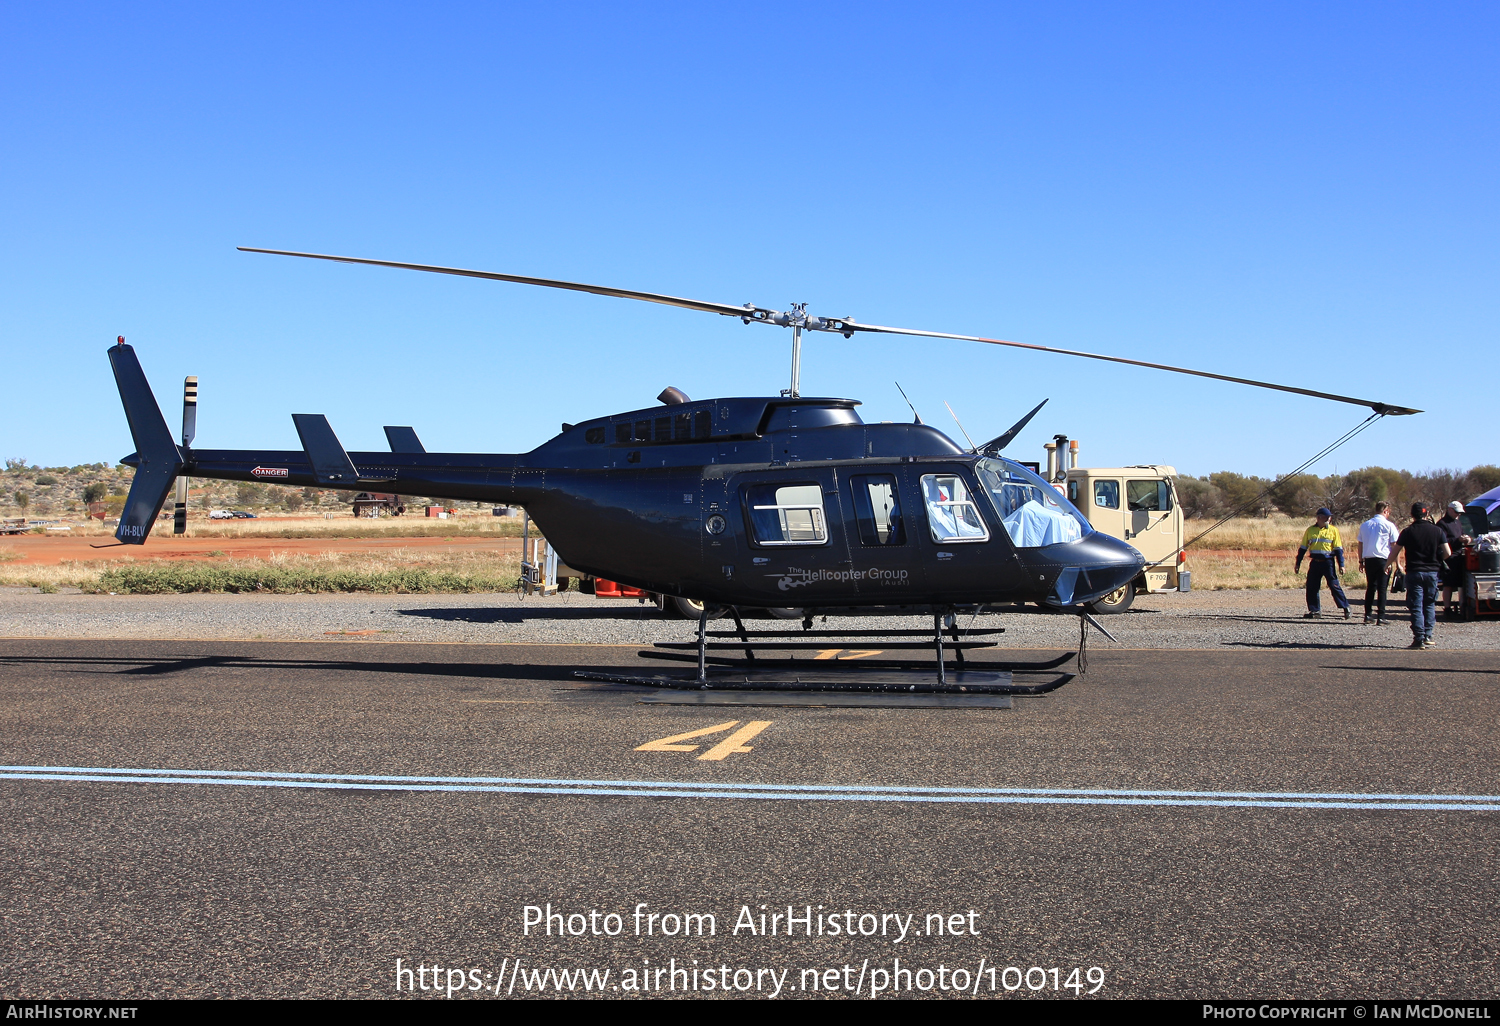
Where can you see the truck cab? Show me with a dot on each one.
(1135, 504)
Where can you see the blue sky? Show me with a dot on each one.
(1300, 193)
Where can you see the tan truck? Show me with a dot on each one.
(1135, 504)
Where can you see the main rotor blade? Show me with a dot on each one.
(997, 444)
(1378, 407)
(553, 283)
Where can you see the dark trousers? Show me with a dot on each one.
(1375, 581)
(1317, 569)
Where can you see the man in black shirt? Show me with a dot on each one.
(1426, 547)
(1452, 574)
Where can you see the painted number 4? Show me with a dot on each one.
(731, 745)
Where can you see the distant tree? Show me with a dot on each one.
(344, 496)
(293, 501)
(312, 495)
(1240, 493)
(1483, 478)
(1346, 502)
(1440, 487)
(45, 480)
(1298, 494)
(23, 500)
(1200, 499)
(94, 492)
(248, 494)
(16, 463)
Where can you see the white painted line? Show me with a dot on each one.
(781, 792)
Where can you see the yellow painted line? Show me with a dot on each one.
(735, 742)
(669, 744)
(853, 653)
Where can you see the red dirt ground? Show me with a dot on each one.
(49, 550)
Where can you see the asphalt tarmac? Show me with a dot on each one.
(1202, 824)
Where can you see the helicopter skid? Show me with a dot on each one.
(910, 682)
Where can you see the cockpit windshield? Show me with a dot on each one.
(1033, 512)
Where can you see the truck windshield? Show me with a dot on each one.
(1033, 512)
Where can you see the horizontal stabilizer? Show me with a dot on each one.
(403, 439)
(158, 458)
(330, 463)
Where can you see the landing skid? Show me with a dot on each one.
(750, 672)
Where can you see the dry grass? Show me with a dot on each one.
(1257, 553)
(1250, 553)
(1257, 534)
(398, 571)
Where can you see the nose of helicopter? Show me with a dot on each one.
(1090, 568)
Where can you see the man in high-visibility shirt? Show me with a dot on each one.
(1323, 548)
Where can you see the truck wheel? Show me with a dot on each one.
(586, 585)
(691, 609)
(1115, 601)
(785, 612)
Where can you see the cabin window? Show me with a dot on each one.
(1106, 494)
(594, 436)
(663, 429)
(1153, 496)
(622, 432)
(787, 514)
(703, 424)
(951, 513)
(1073, 491)
(877, 507)
(643, 431)
(682, 427)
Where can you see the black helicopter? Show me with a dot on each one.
(745, 502)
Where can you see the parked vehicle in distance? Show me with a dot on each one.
(240, 514)
(1136, 504)
(220, 514)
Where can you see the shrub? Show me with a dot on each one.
(177, 578)
(95, 492)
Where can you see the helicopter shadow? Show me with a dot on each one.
(159, 667)
(1410, 669)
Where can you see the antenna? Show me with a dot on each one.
(972, 446)
(908, 403)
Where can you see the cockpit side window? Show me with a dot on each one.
(951, 513)
(877, 507)
(1033, 512)
(789, 514)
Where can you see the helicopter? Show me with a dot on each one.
(746, 502)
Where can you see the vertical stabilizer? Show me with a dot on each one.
(158, 458)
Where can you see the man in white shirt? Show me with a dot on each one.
(1376, 536)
